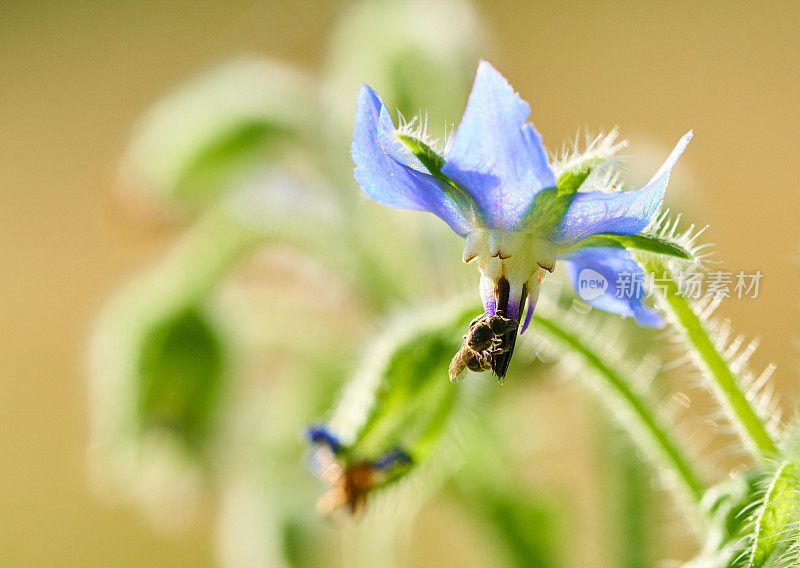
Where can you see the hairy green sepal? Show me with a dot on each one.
(778, 510)
(646, 243)
(434, 163)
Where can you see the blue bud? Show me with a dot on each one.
(320, 435)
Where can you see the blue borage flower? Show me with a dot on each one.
(494, 186)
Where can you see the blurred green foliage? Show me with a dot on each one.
(205, 371)
(181, 369)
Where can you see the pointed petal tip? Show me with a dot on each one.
(486, 68)
(382, 173)
(490, 73)
(683, 142)
(680, 147)
(661, 177)
(623, 296)
(367, 94)
(319, 434)
(495, 154)
(484, 64)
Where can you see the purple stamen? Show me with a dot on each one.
(528, 317)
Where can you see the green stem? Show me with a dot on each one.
(725, 383)
(673, 456)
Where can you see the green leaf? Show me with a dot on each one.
(522, 523)
(181, 365)
(648, 243)
(551, 204)
(575, 166)
(199, 141)
(400, 395)
(779, 509)
(403, 379)
(206, 172)
(724, 504)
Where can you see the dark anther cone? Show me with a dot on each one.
(501, 360)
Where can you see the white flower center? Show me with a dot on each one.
(522, 258)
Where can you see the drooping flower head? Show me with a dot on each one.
(350, 479)
(494, 185)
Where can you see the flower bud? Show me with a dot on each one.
(394, 410)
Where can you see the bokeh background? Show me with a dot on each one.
(76, 75)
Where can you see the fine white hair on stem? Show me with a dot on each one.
(593, 348)
(722, 356)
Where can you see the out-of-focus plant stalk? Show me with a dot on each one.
(723, 379)
(672, 455)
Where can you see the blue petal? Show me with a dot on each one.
(495, 155)
(606, 278)
(385, 179)
(623, 213)
(320, 434)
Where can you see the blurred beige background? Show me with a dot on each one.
(75, 75)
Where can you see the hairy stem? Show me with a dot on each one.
(724, 381)
(646, 422)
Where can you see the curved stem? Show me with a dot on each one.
(724, 381)
(672, 455)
